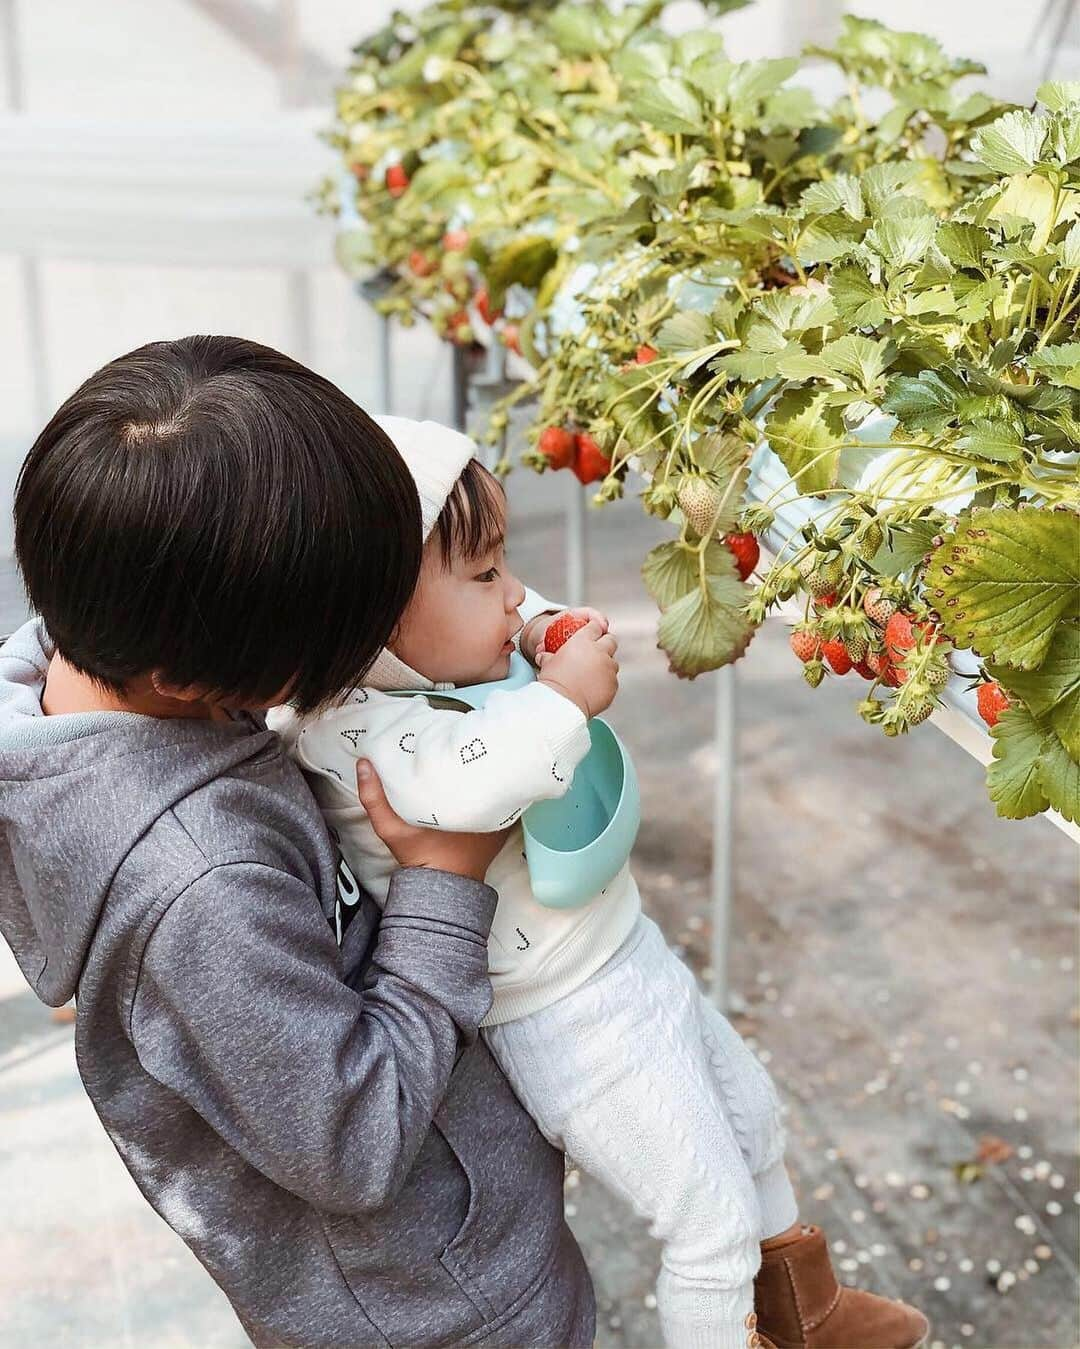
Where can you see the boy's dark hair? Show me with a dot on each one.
(212, 510)
(470, 523)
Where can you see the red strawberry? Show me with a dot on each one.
(511, 337)
(744, 548)
(862, 667)
(483, 306)
(899, 635)
(557, 446)
(805, 644)
(882, 668)
(420, 264)
(645, 354)
(825, 601)
(459, 329)
(397, 180)
(590, 464)
(561, 629)
(455, 241)
(992, 700)
(836, 654)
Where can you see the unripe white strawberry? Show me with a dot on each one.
(699, 502)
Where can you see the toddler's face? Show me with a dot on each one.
(459, 626)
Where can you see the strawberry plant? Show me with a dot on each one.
(850, 336)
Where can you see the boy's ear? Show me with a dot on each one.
(186, 693)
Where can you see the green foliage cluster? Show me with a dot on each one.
(882, 293)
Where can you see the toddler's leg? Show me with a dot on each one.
(617, 1074)
(753, 1108)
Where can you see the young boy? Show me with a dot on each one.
(296, 1085)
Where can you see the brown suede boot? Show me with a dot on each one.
(800, 1305)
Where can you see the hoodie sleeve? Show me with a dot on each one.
(240, 1008)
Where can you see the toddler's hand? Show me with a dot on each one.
(532, 637)
(584, 668)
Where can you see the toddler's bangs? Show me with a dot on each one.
(472, 524)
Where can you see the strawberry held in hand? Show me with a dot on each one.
(561, 629)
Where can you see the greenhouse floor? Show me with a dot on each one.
(903, 961)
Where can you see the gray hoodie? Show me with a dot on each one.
(316, 1119)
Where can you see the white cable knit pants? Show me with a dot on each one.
(649, 1089)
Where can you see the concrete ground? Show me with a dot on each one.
(902, 960)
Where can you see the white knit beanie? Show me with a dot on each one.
(436, 457)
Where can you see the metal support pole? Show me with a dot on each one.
(386, 365)
(577, 568)
(723, 836)
(460, 405)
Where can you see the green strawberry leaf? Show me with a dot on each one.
(922, 403)
(669, 105)
(964, 245)
(858, 301)
(827, 238)
(525, 260)
(671, 570)
(1060, 364)
(641, 62)
(1005, 579)
(1059, 777)
(841, 193)
(1058, 94)
(994, 440)
(685, 332)
(859, 359)
(578, 29)
(808, 437)
(906, 547)
(904, 234)
(1012, 779)
(1052, 692)
(1012, 144)
(1069, 248)
(707, 628)
(1064, 136)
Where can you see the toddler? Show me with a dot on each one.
(600, 1029)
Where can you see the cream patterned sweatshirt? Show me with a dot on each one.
(473, 771)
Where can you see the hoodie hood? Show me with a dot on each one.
(76, 794)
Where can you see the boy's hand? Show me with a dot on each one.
(414, 846)
(584, 668)
(534, 632)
